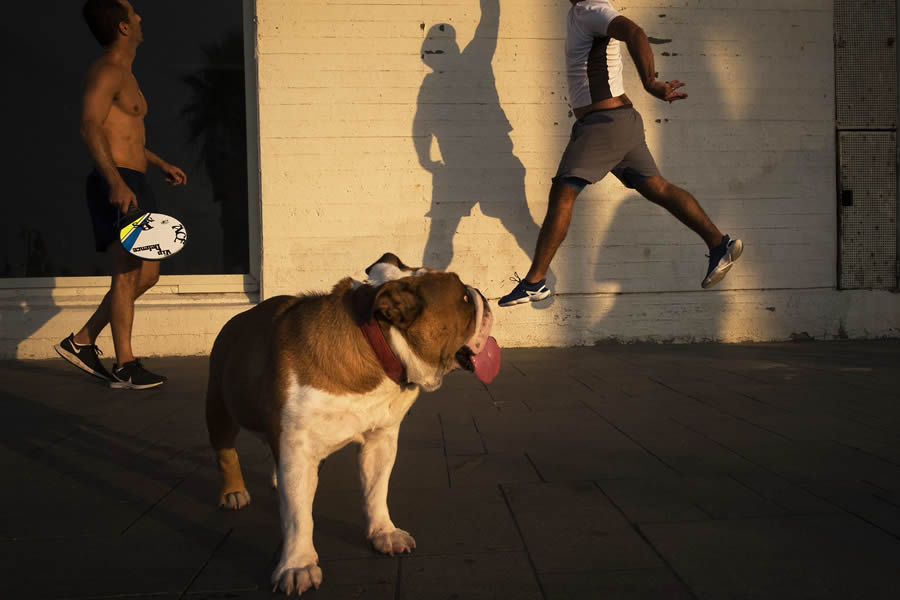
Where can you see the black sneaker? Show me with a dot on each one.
(721, 259)
(525, 292)
(86, 357)
(133, 376)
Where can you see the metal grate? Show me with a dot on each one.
(868, 209)
(865, 52)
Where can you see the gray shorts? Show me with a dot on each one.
(608, 140)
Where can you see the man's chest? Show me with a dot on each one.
(130, 99)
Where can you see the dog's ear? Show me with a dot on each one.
(398, 303)
(388, 258)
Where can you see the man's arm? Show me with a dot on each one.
(173, 174)
(99, 93)
(626, 30)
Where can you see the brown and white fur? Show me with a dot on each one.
(298, 370)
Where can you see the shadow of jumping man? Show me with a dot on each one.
(459, 109)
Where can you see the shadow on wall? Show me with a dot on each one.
(459, 109)
(216, 122)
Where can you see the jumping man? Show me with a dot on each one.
(609, 136)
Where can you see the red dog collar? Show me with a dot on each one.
(392, 366)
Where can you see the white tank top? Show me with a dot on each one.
(593, 61)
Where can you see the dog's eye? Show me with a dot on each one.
(466, 297)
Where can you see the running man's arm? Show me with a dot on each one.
(99, 93)
(173, 174)
(626, 30)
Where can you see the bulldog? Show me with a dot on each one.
(313, 373)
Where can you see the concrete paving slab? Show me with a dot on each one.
(420, 430)
(456, 521)
(590, 533)
(633, 584)
(558, 462)
(828, 556)
(91, 566)
(494, 576)
(488, 470)
(645, 500)
(462, 439)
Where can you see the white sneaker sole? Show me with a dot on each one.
(127, 385)
(718, 274)
(71, 358)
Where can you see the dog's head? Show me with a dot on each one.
(437, 323)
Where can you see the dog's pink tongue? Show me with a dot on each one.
(487, 362)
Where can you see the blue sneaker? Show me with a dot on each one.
(525, 292)
(721, 259)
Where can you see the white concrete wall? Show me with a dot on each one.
(180, 316)
(346, 96)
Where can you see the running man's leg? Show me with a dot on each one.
(682, 205)
(723, 250)
(553, 230)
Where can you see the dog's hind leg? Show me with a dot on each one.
(223, 431)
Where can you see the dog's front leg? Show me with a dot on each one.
(298, 476)
(376, 459)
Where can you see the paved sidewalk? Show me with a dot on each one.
(635, 471)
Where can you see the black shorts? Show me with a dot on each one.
(104, 215)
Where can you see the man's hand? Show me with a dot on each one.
(665, 90)
(121, 196)
(173, 174)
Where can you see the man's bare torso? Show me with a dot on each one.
(124, 124)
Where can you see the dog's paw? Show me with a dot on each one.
(393, 542)
(299, 580)
(234, 500)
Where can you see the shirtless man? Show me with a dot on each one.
(608, 136)
(112, 127)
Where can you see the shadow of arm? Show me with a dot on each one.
(485, 39)
(422, 134)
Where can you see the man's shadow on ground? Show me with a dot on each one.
(459, 108)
